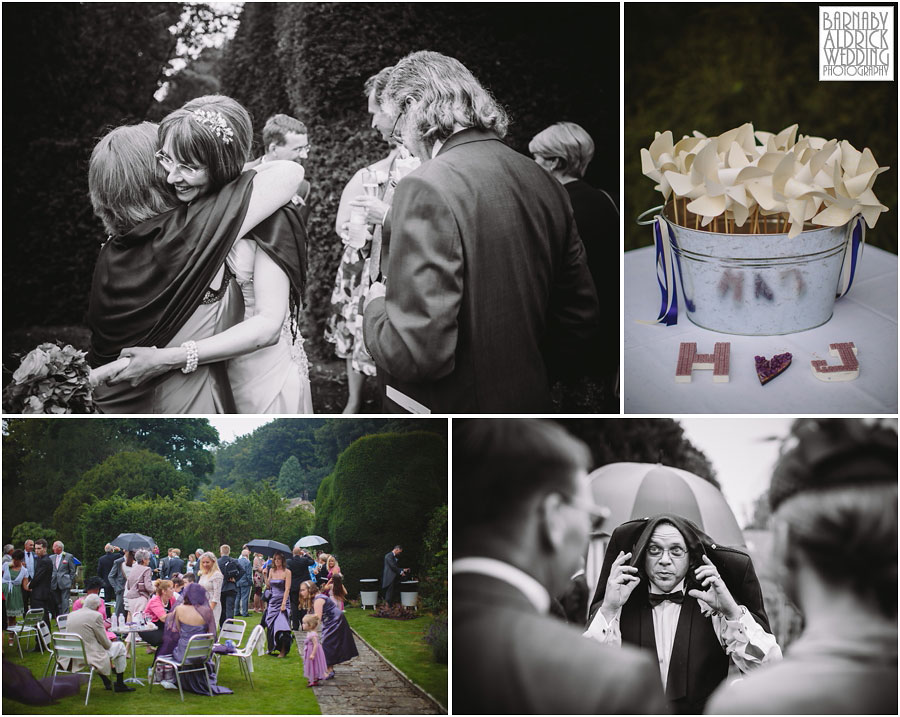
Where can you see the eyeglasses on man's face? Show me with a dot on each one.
(170, 165)
(656, 551)
(394, 136)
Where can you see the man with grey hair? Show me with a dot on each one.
(87, 623)
(62, 578)
(488, 293)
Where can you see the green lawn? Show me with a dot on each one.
(400, 641)
(280, 688)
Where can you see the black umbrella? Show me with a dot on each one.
(268, 547)
(133, 541)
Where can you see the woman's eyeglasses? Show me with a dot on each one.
(170, 165)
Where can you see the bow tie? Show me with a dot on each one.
(657, 598)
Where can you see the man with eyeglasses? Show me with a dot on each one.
(285, 137)
(665, 587)
(525, 524)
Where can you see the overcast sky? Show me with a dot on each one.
(740, 453)
(230, 427)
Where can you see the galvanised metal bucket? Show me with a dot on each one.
(760, 284)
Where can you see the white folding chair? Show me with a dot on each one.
(61, 622)
(245, 655)
(44, 637)
(27, 627)
(70, 646)
(231, 630)
(196, 655)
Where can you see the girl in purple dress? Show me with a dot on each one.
(337, 639)
(314, 667)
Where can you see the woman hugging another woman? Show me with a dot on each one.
(166, 275)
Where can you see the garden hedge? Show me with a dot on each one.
(383, 491)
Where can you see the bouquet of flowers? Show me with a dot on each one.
(51, 379)
(748, 182)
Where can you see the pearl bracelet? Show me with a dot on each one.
(193, 357)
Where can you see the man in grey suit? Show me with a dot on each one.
(116, 578)
(62, 578)
(514, 550)
(488, 292)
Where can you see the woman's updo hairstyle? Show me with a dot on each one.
(835, 491)
(212, 131)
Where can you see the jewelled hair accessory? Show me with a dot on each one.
(216, 122)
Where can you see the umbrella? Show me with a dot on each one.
(268, 547)
(640, 490)
(308, 541)
(133, 541)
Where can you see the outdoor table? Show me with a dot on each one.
(867, 316)
(132, 631)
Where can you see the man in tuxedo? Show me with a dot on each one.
(514, 548)
(104, 565)
(29, 563)
(298, 564)
(176, 564)
(694, 605)
(62, 578)
(41, 596)
(390, 576)
(488, 291)
(286, 138)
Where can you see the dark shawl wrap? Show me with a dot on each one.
(283, 237)
(698, 664)
(149, 282)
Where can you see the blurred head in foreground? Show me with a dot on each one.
(527, 501)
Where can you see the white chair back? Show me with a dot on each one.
(69, 646)
(61, 622)
(232, 630)
(258, 633)
(33, 617)
(44, 634)
(199, 649)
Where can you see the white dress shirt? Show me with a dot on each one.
(522, 581)
(748, 644)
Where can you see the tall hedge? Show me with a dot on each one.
(544, 65)
(383, 491)
(73, 70)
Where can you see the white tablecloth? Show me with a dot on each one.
(866, 316)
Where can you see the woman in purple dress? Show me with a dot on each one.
(337, 639)
(193, 617)
(275, 618)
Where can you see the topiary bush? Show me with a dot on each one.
(382, 492)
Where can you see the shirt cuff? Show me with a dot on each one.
(602, 630)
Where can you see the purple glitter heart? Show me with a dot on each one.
(767, 369)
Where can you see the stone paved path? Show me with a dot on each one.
(368, 686)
